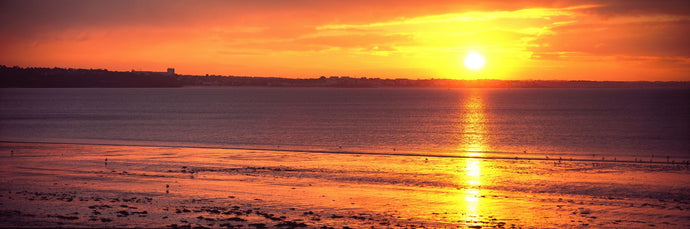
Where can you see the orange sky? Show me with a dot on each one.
(571, 40)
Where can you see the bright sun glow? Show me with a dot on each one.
(474, 61)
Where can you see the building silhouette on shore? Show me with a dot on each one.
(169, 71)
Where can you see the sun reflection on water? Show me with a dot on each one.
(472, 125)
(473, 142)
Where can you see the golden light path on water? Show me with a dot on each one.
(473, 142)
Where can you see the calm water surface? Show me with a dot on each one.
(622, 123)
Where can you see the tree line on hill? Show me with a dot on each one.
(16, 77)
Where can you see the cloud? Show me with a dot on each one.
(474, 16)
(643, 38)
(58, 15)
(610, 8)
(40, 16)
(355, 40)
(425, 35)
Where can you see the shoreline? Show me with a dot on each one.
(79, 185)
(512, 155)
(37, 77)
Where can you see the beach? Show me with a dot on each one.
(344, 114)
(80, 185)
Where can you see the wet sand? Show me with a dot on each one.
(73, 185)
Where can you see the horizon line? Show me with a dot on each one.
(346, 76)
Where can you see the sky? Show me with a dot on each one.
(621, 40)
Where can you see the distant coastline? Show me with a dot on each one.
(35, 77)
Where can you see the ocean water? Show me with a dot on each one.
(594, 123)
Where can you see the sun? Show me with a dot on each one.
(474, 61)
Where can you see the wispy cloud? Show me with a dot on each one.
(388, 38)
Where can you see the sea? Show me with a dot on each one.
(608, 124)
